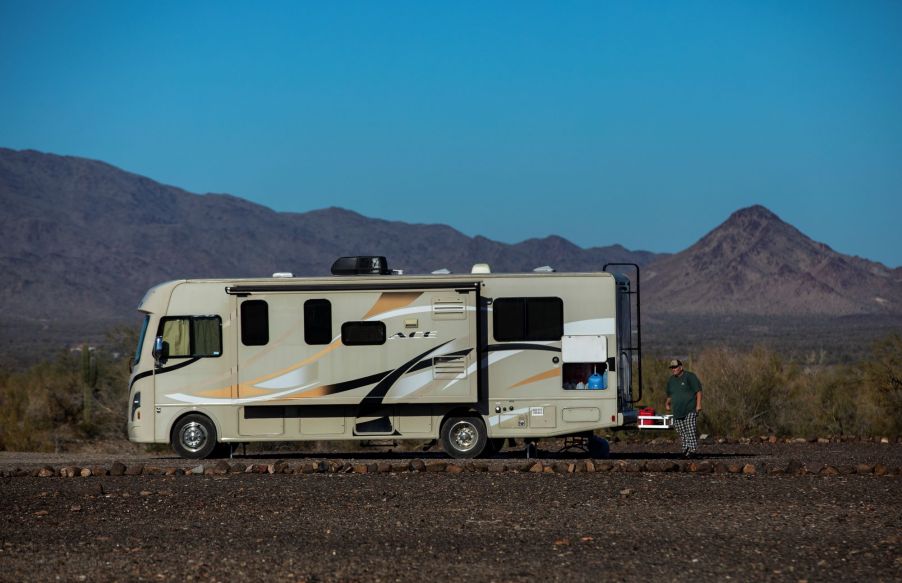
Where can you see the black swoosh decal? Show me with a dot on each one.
(373, 400)
(163, 370)
(497, 347)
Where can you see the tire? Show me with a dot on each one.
(493, 446)
(599, 448)
(194, 437)
(463, 437)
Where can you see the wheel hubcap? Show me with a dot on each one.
(464, 436)
(193, 436)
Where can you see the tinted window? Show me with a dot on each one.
(192, 336)
(528, 319)
(254, 323)
(317, 321)
(362, 333)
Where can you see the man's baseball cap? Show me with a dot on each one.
(675, 363)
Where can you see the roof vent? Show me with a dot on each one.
(481, 268)
(442, 271)
(544, 269)
(361, 265)
(283, 274)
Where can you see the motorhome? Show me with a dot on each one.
(468, 359)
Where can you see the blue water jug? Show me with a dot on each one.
(596, 381)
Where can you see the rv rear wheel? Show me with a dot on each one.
(194, 436)
(463, 437)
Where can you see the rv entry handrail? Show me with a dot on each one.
(638, 348)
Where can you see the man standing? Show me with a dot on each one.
(684, 393)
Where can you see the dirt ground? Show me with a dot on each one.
(478, 526)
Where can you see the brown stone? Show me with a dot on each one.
(813, 468)
(171, 471)
(418, 466)
(134, 470)
(85, 472)
(153, 471)
(537, 468)
(70, 471)
(454, 469)
(829, 471)
(561, 468)
(749, 469)
(361, 469)
(117, 469)
(436, 466)
(548, 470)
(400, 467)
(46, 472)
(734, 468)
(721, 468)
(497, 467)
(775, 470)
(383, 467)
(590, 466)
(881, 470)
(795, 467)
(846, 470)
(238, 468)
(864, 469)
(99, 471)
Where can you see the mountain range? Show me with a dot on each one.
(83, 240)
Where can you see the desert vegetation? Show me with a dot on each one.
(79, 396)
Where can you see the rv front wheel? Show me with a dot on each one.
(463, 437)
(194, 437)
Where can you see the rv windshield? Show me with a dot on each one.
(141, 339)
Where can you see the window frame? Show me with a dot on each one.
(524, 315)
(241, 318)
(191, 342)
(363, 324)
(313, 303)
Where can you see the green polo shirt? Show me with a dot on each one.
(681, 391)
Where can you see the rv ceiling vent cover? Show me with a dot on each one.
(481, 268)
(283, 274)
(361, 265)
(544, 269)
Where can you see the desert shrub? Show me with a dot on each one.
(44, 407)
(876, 387)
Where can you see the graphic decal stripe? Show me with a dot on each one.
(548, 374)
(373, 400)
(389, 301)
(520, 346)
(163, 370)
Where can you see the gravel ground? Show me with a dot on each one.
(482, 526)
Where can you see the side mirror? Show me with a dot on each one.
(160, 351)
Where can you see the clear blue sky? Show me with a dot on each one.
(644, 124)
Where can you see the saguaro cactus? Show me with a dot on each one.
(89, 382)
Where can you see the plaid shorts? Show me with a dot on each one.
(688, 430)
